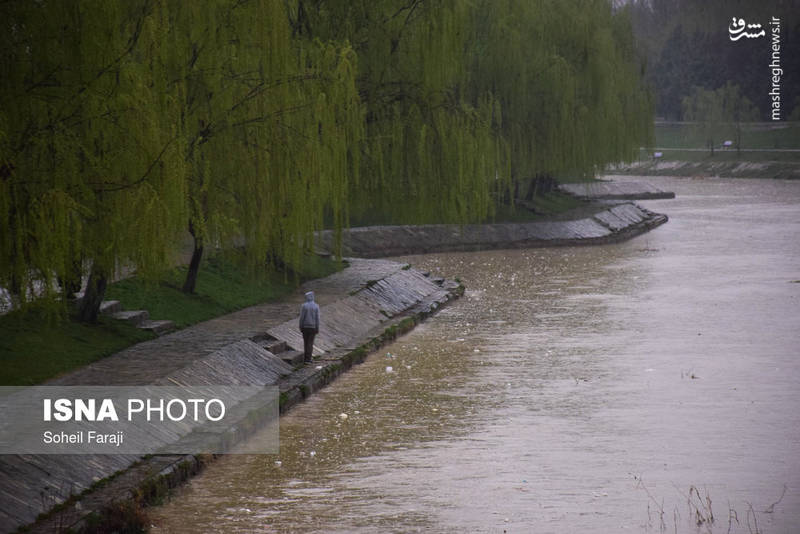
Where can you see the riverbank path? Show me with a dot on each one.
(145, 363)
(32, 484)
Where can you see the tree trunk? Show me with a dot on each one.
(531, 192)
(738, 139)
(194, 265)
(14, 286)
(93, 296)
(539, 185)
(73, 279)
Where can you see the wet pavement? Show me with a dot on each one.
(643, 387)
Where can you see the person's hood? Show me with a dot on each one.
(310, 296)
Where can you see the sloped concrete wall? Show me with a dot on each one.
(617, 223)
(243, 363)
(782, 170)
(348, 320)
(616, 190)
(32, 484)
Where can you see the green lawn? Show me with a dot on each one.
(722, 155)
(34, 346)
(755, 135)
(222, 287)
(545, 206)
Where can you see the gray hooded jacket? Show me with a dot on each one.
(309, 313)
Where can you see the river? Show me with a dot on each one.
(639, 387)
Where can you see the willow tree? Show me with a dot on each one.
(272, 125)
(466, 98)
(430, 154)
(91, 170)
(718, 113)
(568, 82)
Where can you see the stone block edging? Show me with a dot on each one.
(119, 500)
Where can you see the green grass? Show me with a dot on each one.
(722, 155)
(760, 145)
(222, 287)
(545, 206)
(34, 346)
(754, 135)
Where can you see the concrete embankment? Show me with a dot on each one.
(784, 170)
(609, 190)
(617, 222)
(362, 307)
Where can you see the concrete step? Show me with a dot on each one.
(109, 307)
(275, 346)
(267, 342)
(157, 327)
(135, 317)
(292, 357)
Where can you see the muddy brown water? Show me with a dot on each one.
(639, 387)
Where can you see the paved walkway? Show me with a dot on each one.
(147, 362)
(616, 191)
(591, 228)
(30, 484)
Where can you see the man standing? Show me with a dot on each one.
(309, 324)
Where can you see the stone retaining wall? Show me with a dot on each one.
(783, 170)
(385, 306)
(616, 191)
(617, 223)
(112, 484)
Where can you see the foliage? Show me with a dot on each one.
(33, 348)
(87, 144)
(571, 94)
(719, 113)
(466, 101)
(223, 287)
(429, 153)
(686, 44)
(252, 123)
(272, 125)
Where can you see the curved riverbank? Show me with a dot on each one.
(386, 299)
(564, 392)
(783, 170)
(617, 222)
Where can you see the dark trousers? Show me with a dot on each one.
(308, 342)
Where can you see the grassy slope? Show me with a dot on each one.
(222, 287)
(759, 144)
(546, 207)
(724, 155)
(780, 135)
(34, 347)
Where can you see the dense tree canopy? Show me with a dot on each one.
(272, 127)
(91, 163)
(719, 114)
(466, 100)
(567, 80)
(687, 45)
(125, 123)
